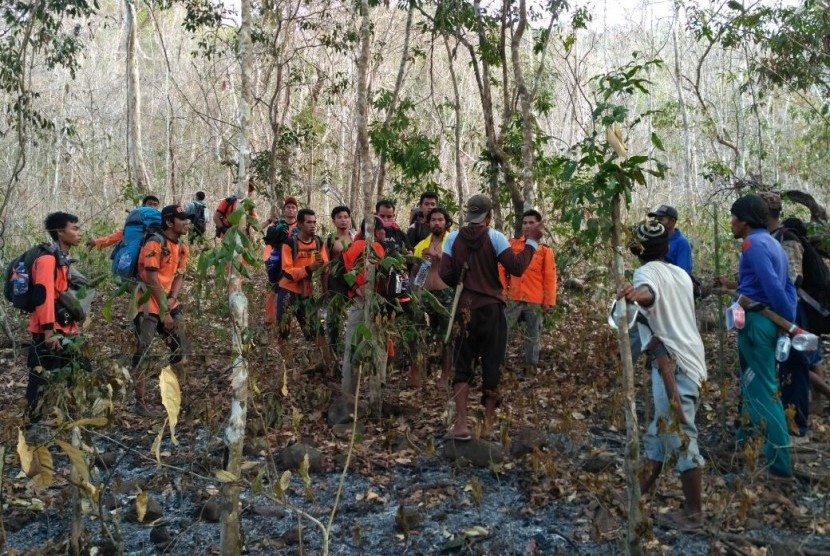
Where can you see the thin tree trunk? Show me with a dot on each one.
(632, 447)
(77, 530)
(390, 111)
(235, 430)
(137, 171)
(684, 115)
(528, 194)
(459, 168)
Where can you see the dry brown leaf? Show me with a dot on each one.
(171, 399)
(284, 390)
(23, 452)
(225, 476)
(156, 448)
(90, 422)
(76, 456)
(141, 505)
(42, 460)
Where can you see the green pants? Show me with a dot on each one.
(759, 386)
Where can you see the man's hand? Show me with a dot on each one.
(628, 292)
(535, 231)
(169, 321)
(90, 243)
(52, 341)
(724, 282)
(360, 292)
(318, 262)
(431, 254)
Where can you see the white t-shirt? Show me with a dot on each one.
(672, 316)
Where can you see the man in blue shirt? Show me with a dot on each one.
(680, 251)
(763, 277)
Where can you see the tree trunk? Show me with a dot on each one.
(235, 430)
(632, 447)
(459, 168)
(390, 111)
(137, 171)
(528, 194)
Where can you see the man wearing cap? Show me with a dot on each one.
(794, 373)
(663, 293)
(161, 266)
(476, 251)
(762, 277)
(680, 251)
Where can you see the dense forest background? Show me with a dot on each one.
(105, 101)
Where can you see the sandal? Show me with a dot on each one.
(678, 521)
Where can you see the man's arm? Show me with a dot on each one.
(684, 256)
(513, 263)
(548, 279)
(106, 241)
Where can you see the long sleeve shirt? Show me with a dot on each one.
(351, 256)
(680, 252)
(763, 273)
(53, 278)
(296, 273)
(111, 239)
(538, 283)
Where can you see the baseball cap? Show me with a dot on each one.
(290, 201)
(477, 208)
(664, 210)
(176, 211)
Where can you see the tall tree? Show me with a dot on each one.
(135, 151)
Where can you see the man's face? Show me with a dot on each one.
(668, 222)
(71, 234)
(151, 203)
(528, 223)
(181, 225)
(289, 212)
(739, 228)
(428, 204)
(342, 220)
(387, 214)
(380, 234)
(309, 225)
(437, 224)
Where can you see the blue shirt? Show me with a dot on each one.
(763, 276)
(680, 252)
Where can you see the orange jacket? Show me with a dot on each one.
(296, 275)
(538, 283)
(352, 254)
(55, 281)
(170, 261)
(111, 239)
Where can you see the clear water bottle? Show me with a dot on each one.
(421, 277)
(805, 341)
(21, 280)
(782, 348)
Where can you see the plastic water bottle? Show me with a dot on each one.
(421, 277)
(782, 348)
(21, 280)
(805, 341)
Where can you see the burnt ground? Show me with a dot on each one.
(557, 489)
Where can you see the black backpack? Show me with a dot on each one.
(25, 298)
(815, 281)
(199, 222)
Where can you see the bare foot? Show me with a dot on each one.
(414, 379)
(461, 433)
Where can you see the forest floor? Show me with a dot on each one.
(553, 484)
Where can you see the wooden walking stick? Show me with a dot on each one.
(458, 289)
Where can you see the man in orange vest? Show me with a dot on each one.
(532, 294)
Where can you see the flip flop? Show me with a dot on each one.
(459, 438)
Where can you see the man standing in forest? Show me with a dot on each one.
(337, 290)
(49, 279)
(470, 261)
(276, 234)
(161, 267)
(763, 277)
(680, 250)
(417, 232)
(302, 256)
(197, 208)
(664, 294)
(532, 294)
(113, 238)
(794, 373)
(430, 250)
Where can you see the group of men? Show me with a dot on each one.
(296, 258)
(769, 266)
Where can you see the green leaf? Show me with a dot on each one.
(350, 278)
(655, 140)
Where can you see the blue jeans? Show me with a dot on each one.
(664, 437)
